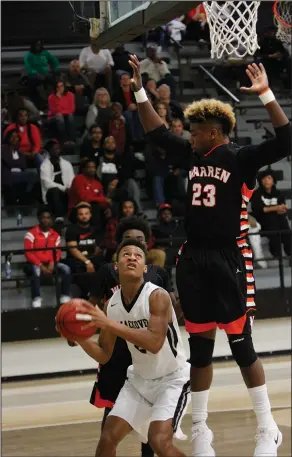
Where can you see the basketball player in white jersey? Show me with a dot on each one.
(156, 393)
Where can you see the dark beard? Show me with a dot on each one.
(83, 224)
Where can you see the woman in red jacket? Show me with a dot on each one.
(29, 137)
(61, 112)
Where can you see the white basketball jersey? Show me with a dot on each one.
(171, 356)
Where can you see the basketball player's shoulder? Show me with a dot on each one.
(157, 295)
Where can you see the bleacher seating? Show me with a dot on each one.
(248, 114)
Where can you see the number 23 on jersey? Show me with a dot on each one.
(204, 195)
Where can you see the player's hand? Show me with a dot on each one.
(90, 268)
(98, 318)
(137, 78)
(258, 77)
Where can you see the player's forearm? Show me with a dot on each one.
(143, 338)
(148, 116)
(270, 209)
(94, 351)
(277, 115)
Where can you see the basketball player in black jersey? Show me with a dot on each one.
(211, 285)
(112, 375)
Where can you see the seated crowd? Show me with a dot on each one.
(85, 206)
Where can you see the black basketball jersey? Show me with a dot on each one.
(217, 182)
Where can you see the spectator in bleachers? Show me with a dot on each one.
(178, 129)
(14, 102)
(120, 168)
(270, 210)
(86, 187)
(121, 59)
(158, 170)
(98, 65)
(125, 96)
(17, 180)
(57, 175)
(43, 263)
(30, 138)
(83, 240)
(176, 28)
(151, 88)
(91, 148)
(165, 233)
(40, 66)
(163, 112)
(119, 129)
(197, 26)
(99, 111)
(256, 241)
(154, 67)
(61, 112)
(79, 84)
(174, 106)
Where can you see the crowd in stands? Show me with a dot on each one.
(84, 206)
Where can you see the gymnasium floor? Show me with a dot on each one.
(54, 418)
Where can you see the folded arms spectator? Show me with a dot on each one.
(57, 175)
(91, 147)
(61, 112)
(30, 138)
(44, 263)
(79, 84)
(270, 211)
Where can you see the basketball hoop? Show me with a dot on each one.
(232, 27)
(94, 27)
(283, 19)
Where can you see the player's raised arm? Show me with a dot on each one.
(150, 339)
(275, 149)
(151, 122)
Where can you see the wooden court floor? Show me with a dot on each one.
(53, 418)
(234, 431)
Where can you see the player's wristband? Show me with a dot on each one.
(141, 96)
(267, 96)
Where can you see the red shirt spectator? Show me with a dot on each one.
(29, 134)
(87, 188)
(61, 102)
(38, 238)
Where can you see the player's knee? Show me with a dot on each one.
(201, 351)
(160, 442)
(242, 350)
(108, 441)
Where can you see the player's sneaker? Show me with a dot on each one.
(37, 302)
(202, 438)
(267, 441)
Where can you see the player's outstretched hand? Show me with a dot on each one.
(137, 78)
(258, 77)
(98, 318)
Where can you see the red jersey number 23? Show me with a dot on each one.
(204, 196)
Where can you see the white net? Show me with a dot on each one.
(232, 28)
(283, 19)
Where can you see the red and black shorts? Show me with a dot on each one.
(212, 287)
(111, 376)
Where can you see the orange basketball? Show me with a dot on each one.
(67, 323)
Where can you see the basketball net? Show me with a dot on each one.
(283, 20)
(94, 27)
(232, 27)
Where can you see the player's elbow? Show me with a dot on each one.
(157, 345)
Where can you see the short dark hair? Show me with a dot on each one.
(42, 210)
(83, 205)
(8, 135)
(60, 80)
(128, 200)
(132, 223)
(95, 126)
(131, 242)
(87, 162)
(50, 144)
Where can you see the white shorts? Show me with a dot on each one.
(142, 401)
